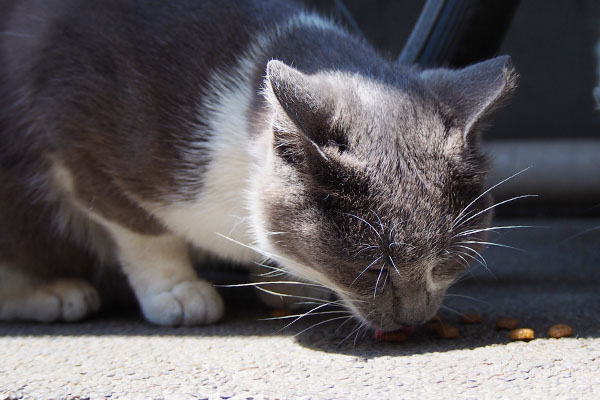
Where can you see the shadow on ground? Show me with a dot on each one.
(537, 306)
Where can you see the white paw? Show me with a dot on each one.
(64, 299)
(77, 298)
(294, 296)
(188, 303)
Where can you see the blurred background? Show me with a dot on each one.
(550, 125)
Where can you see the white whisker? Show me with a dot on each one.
(380, 223)
(365, 249)
(467, 264)
(369, 266)
(393, 229)
(493, 228)
(394, 264)
(452, 310)
(481, 260)
(364, 329)
(358, 325)
(595, 228)
(494, 244)
(274, 283)
(321, 323)
(458, 218)
(254, 248)
(387, 274)
(496, 205)
(301, 315)
(377, 281)
(290, 295)
(360, 219)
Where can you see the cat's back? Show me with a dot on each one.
(190, 38)
(123, 74)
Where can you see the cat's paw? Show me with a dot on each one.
(188, 303)
(64, 299)
(77, 298)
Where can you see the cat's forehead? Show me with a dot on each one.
(384, 106)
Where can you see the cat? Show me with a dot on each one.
(132, 131)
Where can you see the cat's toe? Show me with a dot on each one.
(201, 302)
(188, 303)
(77, 298)
(41, 306)
(162, 309)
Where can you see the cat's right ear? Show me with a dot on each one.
(301, 112)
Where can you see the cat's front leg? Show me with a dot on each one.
(161, 274)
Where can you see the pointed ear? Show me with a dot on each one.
(475, 91)
(299, 96)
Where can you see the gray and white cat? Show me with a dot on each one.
(131, 131)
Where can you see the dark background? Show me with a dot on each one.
(552, 46)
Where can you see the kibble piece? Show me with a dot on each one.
(280, 312)
(522, 334)
(398, 336)
(447, 331)
(560, 330)
(471, 319)
(507, 323)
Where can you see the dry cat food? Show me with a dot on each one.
(507, 323)
(446, 331)
(468, 319)
(560, 330)
(396, 336)
(522, 334)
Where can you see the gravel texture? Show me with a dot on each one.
(122, 357)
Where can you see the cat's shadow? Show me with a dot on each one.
(536, 306)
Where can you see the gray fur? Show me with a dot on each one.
(371, 160)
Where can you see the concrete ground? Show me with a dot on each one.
(555, 281)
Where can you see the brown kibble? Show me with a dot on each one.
(434, 322)
(522, 334)
(446, 331)
(280, 312)
(560, 330)
(397, 336)
(468, 319)
(507, 323)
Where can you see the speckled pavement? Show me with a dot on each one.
(122, 357)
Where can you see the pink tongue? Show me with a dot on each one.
(379, 333)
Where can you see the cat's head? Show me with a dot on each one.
(372, 186)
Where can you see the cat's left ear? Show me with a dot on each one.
(299, 96)
(472, 92)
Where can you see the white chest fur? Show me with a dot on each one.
(221, 208)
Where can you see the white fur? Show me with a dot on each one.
(223, 208)
(61, 299)
(161, 274)
(73, 221)
(220, 208)
(158, 267)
